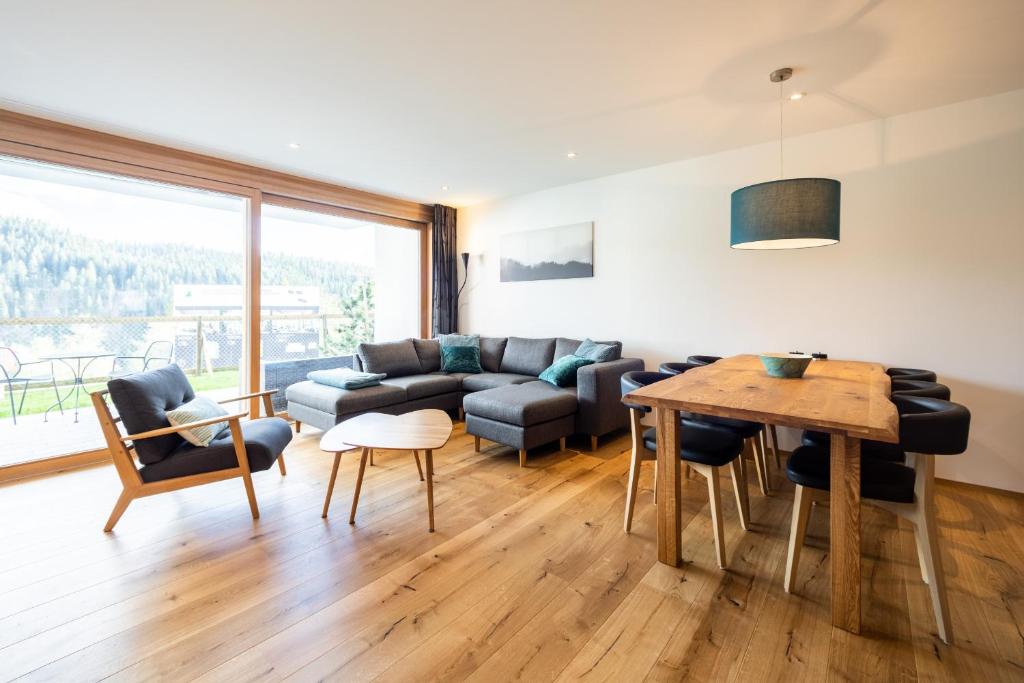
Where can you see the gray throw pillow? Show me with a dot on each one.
(599, 353)
(394, 359)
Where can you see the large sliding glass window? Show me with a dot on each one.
(330, 282)
(104, 276)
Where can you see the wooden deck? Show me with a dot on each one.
(529, 576)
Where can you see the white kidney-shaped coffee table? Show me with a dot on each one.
(420, 430)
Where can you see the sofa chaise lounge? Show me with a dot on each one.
(505, 403)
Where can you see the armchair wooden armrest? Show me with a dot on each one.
(162, 431)
(257, 394)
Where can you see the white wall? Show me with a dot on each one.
(929, 272)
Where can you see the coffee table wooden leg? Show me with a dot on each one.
(670, 527)
(330, 484)
(371, 457)
(429, 455)
(359, 484)
(416, 454)
(844, 522)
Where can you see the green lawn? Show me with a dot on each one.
(39, 398)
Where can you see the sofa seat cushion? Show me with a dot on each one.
(342, 401)
(527, 356)
(394, 359)
(265, 439)
(422, 386)
(521, 404)
(490, 380)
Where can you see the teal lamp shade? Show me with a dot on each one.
(786, 214)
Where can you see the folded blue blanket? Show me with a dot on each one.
(345, 378)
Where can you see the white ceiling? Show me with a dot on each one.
(488, 97)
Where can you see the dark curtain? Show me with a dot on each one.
(445, 279)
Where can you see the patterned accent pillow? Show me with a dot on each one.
(199, 408)
(562, 373)
(599, 353)
(459, 340)
(460, 359)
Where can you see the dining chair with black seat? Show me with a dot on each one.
(169, 459)
(752, 433)
(912, 373)
(928, 427)
(705, 447)
(14, 373)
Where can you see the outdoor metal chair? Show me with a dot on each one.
(13, 371)
(158, 354)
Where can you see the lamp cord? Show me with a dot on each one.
(781, 174)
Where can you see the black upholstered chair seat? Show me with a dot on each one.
(265, 439)
(702, 443)
(912, 373)
(916, 387)
(879, 479)
(676, 368)
(892, 452)
(703, 360)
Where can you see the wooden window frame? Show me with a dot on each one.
(37, 139)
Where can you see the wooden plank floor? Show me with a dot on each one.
(528, 577)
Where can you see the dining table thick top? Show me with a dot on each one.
(851, 397)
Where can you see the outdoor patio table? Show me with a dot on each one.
(78, 363)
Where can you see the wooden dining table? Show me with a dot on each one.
(847, 399)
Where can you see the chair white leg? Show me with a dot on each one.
(797, 533)
(926, 528)
(775, 446)
(715, 499)
(631, 487)
(761, 442)
(920, 538)
(634, 468)
(739, 485)
(751, 446)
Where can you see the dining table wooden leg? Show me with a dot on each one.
(844, 527)
(669, 508)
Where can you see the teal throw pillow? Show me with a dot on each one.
(562, 373)
(460, 359)
(599, 353)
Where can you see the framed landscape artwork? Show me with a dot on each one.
(549, 254)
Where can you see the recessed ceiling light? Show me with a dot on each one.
(797, 96)
(444, 188)
(571, 155)
(293, 145)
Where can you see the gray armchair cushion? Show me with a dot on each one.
(491, 351)
(521, 404)
(429, 353)
(490, 380)
(394, 359)
(341, 401)
(527, 356)
(143, 399)
(421, 386)
(265, 439)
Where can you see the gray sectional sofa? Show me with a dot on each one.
(506, 403)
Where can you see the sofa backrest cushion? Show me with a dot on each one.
(527, 356)
(143, 399)
(492, 349)
(394, 359)
(429, 353)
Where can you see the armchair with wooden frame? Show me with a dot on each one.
(168, 462)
